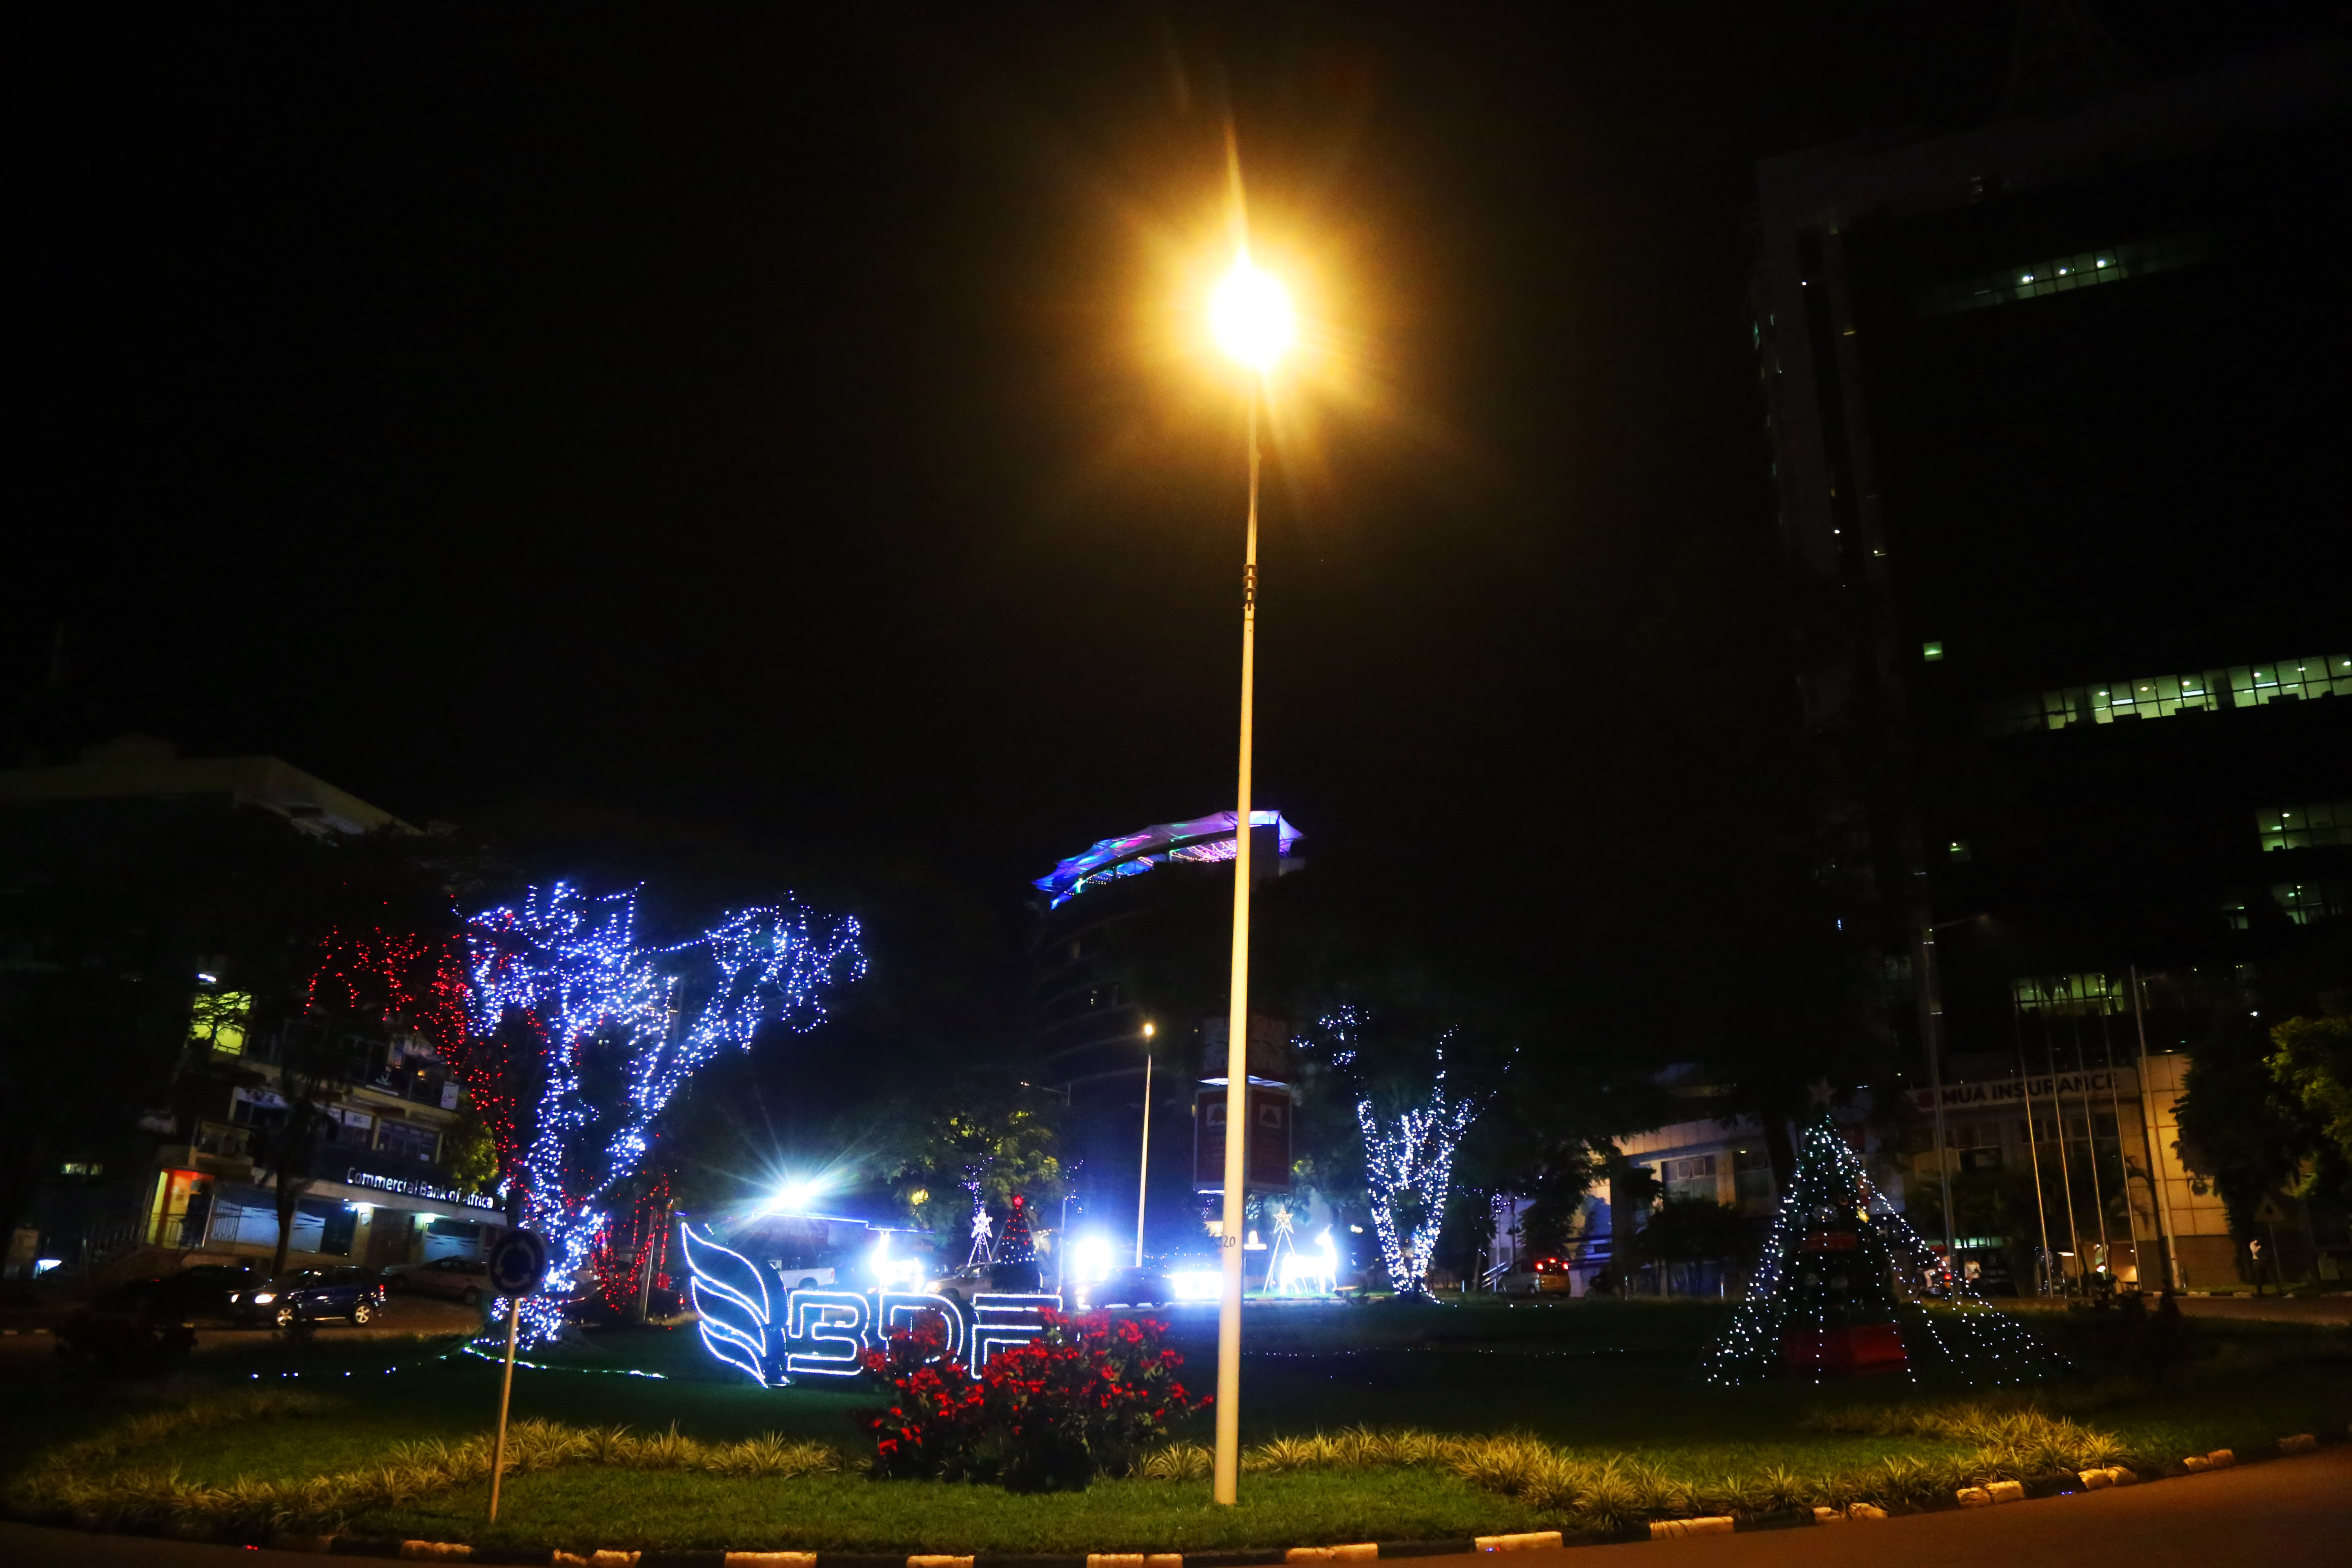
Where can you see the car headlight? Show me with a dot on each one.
(264, 1299)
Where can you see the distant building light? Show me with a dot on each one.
(208, 979)
(1932, 651)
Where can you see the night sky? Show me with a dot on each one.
(794, 421)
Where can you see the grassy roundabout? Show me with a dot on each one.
(1362, 1423)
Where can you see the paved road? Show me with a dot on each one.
(2278, 1308)
(2277, 1515)
(401, 1315)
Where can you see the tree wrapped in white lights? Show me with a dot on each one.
(633, 1019)
(1408, 1155)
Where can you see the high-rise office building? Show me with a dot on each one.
(2058, 409)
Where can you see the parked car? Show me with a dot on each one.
(465, 1280)
(313, 1293)
(1146, 1286)
(962, 1285)
(1546, 1277)
(208, 1290)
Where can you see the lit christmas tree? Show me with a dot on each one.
(1016, 1251)
(1842, 1291)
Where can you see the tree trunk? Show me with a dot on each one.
(1782, 1150)
(289, 1192)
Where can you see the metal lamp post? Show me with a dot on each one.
(1251, 315)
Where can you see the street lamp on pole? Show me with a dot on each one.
(1143, 1165)
(1932, 1027)
(1251, 317)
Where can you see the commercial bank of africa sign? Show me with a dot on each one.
(826, 1334)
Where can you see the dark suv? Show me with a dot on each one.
(312, 1293)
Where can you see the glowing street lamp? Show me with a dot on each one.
(1252, 319)
(1250, 314)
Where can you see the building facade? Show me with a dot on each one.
(1131, 960)
(2054, 410)
(192, 1182)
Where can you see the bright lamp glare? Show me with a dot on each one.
(1250, 314)
(1197, 1284)
(1090, 1259)
(792, 1197)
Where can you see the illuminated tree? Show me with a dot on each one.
(1408, 1150)
(624, 1026)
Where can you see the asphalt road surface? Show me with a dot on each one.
(2284, 1514)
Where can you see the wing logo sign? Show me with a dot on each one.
(778, 1336)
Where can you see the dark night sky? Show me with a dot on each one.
(770, 418)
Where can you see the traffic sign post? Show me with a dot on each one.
(518, 1264)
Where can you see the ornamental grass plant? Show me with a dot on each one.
(1580, 1419)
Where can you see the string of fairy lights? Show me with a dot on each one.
(570, 968)
(1411, 1159)
(1832, 1189)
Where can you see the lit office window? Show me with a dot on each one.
(217, 1021)
(2304, 827)
(2062, 274)
(2086, 993)
(2164, 696)
(2307, 903)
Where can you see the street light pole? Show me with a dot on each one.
(1934, 1020)
(1143, 1165)
(1230, 1231)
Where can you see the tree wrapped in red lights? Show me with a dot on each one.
(630, 1245)
(1085, 1397)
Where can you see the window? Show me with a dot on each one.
(1751, 1177)
(2164, 696)
(2304, 827)
(407, 1140)
(2064, 993)
(2307, 903)
(2061, 274)
(1691, 1177)
(217, 1021)
(1932, 652)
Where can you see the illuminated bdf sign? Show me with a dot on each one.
(826, 1334)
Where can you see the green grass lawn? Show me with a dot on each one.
(1591, 1382)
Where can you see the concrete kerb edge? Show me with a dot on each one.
(2057, 1484)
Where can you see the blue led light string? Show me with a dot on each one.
(573, 967)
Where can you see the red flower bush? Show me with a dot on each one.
(1084, 1398)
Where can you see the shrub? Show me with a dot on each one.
(1090, 1395)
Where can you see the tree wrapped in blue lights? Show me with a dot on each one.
(622, 1026)
(1842, 1286)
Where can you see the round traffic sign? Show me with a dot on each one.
(519, 1263)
